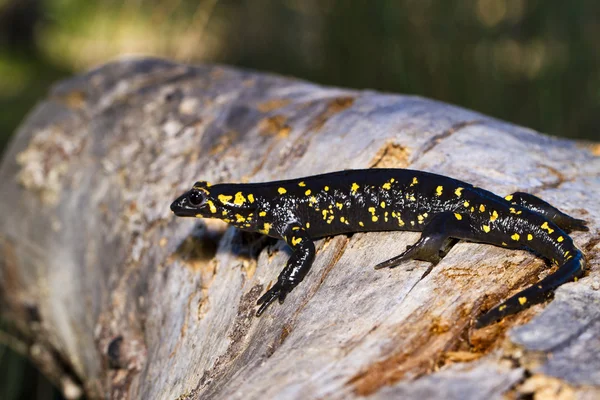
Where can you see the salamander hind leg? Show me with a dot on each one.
(295, 270)
(539, 206)
(439, 235)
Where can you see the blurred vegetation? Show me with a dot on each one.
(535, 63)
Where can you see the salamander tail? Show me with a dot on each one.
(571, 269)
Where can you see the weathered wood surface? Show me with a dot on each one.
(112, 296)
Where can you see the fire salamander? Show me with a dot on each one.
(443, 209)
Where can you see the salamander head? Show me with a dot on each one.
(196, 202)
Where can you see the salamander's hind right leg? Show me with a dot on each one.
(439, 235)
(539, 206)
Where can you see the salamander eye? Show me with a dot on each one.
(195, 198)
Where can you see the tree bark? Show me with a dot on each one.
(112, 296)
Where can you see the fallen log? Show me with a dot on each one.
(112, 296)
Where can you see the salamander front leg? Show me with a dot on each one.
(436, 240)
(539, 206)
(296, 269)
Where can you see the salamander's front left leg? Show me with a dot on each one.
(296, 269)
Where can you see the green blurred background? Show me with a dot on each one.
(535, 63)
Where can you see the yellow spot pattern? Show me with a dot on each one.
(494, 216)
(414, 181)
(522, 300)
(266, 227)
(466, 204)
(486, 228)
(307, 192)
(239, 218)
(354, 187)
(339, 205)
(458, 191)
(282, 190)
(515, 236)
(361, 223)
(211, 206)
(224, 199)
(458, 216)
(239, 199)
(307, 225)
(560, 239)
(529, 236)
(251, 198)
(374, 218)
(296, 241)
(382, 204)
(546, 227)
(439, 190)
(481, 208)
(509, 197)
(302, 184)
(327, 188)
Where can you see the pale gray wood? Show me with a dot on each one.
(112, 296)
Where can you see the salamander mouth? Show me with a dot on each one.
(182, 207)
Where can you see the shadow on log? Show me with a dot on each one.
(112, 296)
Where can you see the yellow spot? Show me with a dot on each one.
(342, 219)
(545, 226)
(560, 239)
(439, 190)
(199, 216)
(360, 223)
(486, 228)
(529, 236)
(458, 192)
(312, 201)
(458, 216)
(295, 228)
(382, 204)
(522, 300)
(282, 190)
(224, 199)
(412, 223)
(324, 212)
(420, 218)
(302, 184)
(251, 198)
(354, 188)
(566, 253)
(307, 225)
(239, 218)
(266, 227)
(296, 241)
(502, 307)
(509, 197)
(504, 244)
(239, 199)
(392, 180)
(400, 222)
(481, 208)
(372, 210)
(327, 188)
(494, 216)
(211, 206)
(516, 236)
(414, 181)
(386, 186)
(307, 192)
(466, 204)
(385, 216)
(412, 198)
(374, 218)
(512, 210)
(339, 205)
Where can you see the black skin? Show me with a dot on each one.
(443, 209)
